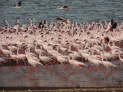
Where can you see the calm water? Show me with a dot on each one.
(82, 10)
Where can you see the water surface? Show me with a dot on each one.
(82, 10)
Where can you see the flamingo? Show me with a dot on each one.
(18, 56)
(109, 56)
(68, 42)
(32, 58)
(62, 59)
(90, 58)
(4, 52)
(120, 58)
(108, 64)
(75, 55)
(12, 47)
(30, 22)
(76, 63)
(45, 59)
(112, 25)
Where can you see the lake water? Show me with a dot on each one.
(82, 10)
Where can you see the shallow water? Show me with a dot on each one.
(82, 10)
(60, 76)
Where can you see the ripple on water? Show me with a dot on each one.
(82, 10)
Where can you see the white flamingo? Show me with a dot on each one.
(90, 58)
(62, 59)
(32, 58)
(76, 63)
(18, 56)
(5, 52)
(120, 58)
(108, 64)
(45, 59)
(61, 34)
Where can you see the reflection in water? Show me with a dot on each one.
(58, 76)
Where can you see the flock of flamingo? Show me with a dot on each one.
(62, 42)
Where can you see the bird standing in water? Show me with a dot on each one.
(112, 25)
(19, 4)
(64, 8)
